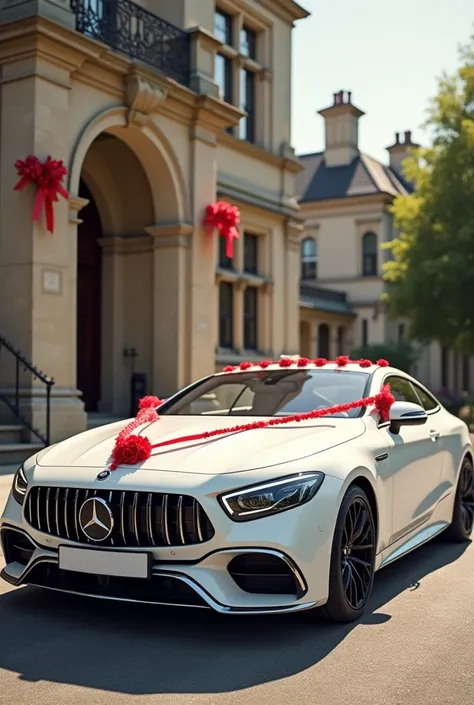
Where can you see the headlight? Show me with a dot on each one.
(272, 497)
(20, 485)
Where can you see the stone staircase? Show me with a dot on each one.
(14, 450)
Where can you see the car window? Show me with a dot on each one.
(427, 401)
(402, 390)
(282, 392)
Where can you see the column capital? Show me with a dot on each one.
(170, 235)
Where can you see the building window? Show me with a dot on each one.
(223, 27)
(226, 315)
(247, 103)
(309, 259)
(224, 261)
(223, 77)
(250, 253)
(248, 43)
(369, 255)
(365, 332)
(250, 318)
(235, 71)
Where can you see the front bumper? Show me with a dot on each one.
(220, 574)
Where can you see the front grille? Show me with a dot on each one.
(159, 589)
(263, 573)
(145, 519)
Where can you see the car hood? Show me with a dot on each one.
(237, 452)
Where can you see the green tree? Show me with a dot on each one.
(402, 355)
(431, 273)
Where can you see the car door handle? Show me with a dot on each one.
(434, 435)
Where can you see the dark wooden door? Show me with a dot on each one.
(89, 304)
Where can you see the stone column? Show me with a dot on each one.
(200, 279)
(171, 334)
(293, 232)
(56, 10)
(38, 270)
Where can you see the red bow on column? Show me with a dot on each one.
(48, 177)
(225, 218)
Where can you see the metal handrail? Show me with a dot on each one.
(133, 30)
(22, 363)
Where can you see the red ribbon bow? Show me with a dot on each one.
(225, 218)
(48, 177)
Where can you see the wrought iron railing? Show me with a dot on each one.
(129, 28)
(20, 386)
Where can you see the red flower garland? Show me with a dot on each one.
(225, 218)
(48, 177)
(132, 449)
(286, 361)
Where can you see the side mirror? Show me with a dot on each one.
(404, 413)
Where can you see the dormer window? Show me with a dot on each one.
(309, 258)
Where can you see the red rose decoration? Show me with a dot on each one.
(303, 362)
(342, 360)
(149, 403)
(286, 362)
(320, 361)
(245, 365)
(383, 363)
(265, 363)
(365, 363)
(383, 402)
(130, 451)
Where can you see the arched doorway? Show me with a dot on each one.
(89, 301)
(323, 341)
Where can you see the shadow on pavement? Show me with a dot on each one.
(138, 649)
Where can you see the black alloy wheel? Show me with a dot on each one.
(463, 511)
(466, 483)
(353, 558)
(357, 564)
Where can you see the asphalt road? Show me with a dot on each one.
(413, 647)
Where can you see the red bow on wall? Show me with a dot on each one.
(48, 177)
(225, 218)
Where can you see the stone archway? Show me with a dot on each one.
(118, 175)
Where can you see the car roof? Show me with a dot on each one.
(350, 367)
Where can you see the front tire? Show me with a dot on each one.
(462, 524)
(352, 566)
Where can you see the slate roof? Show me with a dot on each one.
(321, 299)
(364, 176)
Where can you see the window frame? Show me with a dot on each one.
(253, 269)
(309, 260)
(228, 32)
(253, 318)
(373, 270)
(225, 317)
(248, 123)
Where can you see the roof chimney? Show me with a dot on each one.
(399, 151)
(341, 130)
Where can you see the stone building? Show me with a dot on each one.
(158, 109)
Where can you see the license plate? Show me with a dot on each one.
(122, 564)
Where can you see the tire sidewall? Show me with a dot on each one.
(337, 593)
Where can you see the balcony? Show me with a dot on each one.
(130, 29)
(320, 299)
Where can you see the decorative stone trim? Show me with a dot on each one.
(142, 99)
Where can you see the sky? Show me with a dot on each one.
(389, 55)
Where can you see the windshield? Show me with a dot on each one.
(270, 393)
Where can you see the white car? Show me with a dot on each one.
(271, 487)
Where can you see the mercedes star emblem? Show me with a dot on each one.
(103, 475)
(96, 519)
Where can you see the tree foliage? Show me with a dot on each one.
(431, 273)
(402, 355)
